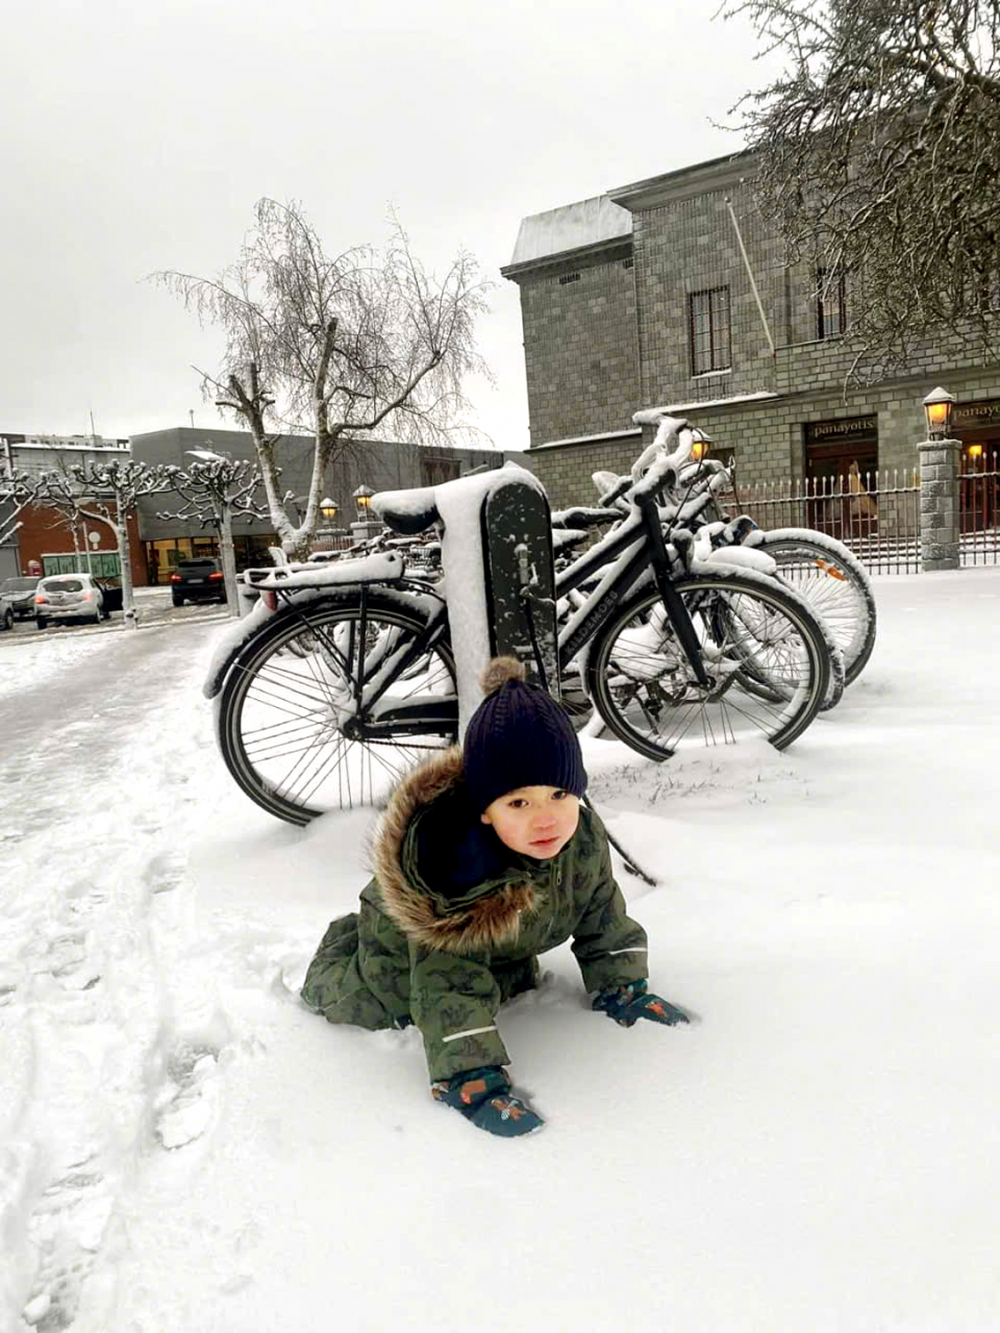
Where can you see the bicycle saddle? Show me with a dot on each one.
(408, 512)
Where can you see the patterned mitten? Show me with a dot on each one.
(627, 1004)
(484, 1097)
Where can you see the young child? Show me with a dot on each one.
(484, 858)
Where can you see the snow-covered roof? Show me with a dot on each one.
(589, 439)
(672, 409)
(571, 227)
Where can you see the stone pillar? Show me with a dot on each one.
(939, 517)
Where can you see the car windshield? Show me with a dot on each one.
(18, 585)
(63, 585)
(205, 563)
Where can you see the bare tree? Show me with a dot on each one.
(878, 156)
(335, 347)
(17, 491)
(107, 493)
(215, 490)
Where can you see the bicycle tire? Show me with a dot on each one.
(835, 584)
(285, 709)
(634, 680)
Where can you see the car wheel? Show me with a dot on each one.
(40, 622)
(177, 601)
(8, 619)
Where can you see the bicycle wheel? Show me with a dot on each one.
(766, 658)
(834, 583)
(299, 724)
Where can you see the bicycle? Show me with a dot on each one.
(347, 675)
(822, 569)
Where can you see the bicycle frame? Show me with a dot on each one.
(640, 541)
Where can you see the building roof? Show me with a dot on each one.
(573, 227)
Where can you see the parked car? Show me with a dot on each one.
(68, 597)
(20, 594)
(199, 579)
(6, 613)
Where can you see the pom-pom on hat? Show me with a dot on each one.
(519, 736)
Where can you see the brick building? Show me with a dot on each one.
(43, 531)
(642, 297)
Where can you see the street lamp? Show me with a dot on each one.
(363, 500)
(938, 406)
(329, 509)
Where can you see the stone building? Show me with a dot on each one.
(672, 292)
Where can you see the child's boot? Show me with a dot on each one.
(484, 1097)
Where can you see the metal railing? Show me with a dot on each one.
(978, 504)
(876, 514)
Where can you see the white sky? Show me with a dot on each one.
(139, 137)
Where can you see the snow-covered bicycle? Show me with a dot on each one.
(345, 674)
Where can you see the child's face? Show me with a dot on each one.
(535, 821)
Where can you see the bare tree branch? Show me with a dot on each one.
(335, 346)
(878, 153)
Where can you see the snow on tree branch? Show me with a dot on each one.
(336, 346)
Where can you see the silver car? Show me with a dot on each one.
(68, 597)
(19, 592)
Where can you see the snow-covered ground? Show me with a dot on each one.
(183, 1147)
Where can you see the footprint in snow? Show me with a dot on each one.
(66, 1230)
(188, 1103)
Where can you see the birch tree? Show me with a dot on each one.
(878, 156)
(215, 490)
(336, 347)
(107, 493)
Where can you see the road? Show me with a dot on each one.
(99, 749)
(153, 605)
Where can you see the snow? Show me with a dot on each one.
(186, 1149)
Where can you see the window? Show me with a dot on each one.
(831, 303)
(708, 318)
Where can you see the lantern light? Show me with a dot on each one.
(363, 498)
(938, 406)
(329, 509)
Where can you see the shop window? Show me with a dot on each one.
(708, 322)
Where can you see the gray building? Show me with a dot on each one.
(375, 464)
(642, 297)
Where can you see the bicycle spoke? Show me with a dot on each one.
(287, 707)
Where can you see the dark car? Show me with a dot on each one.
(20, 593)
(197, 580)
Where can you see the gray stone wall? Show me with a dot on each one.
(580, 351)
(766, 438)
(692, 246)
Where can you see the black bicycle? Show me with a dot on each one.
(346, 676)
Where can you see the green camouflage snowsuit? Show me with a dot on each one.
(446, 953)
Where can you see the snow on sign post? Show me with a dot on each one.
(496, 551)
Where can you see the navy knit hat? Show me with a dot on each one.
(519, 736)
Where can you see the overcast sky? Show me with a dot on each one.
(138, 136)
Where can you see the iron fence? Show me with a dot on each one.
(876, 514)
(978, 504)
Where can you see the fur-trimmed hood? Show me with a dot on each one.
(488, 921)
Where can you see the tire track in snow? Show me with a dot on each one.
(110, 1059)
